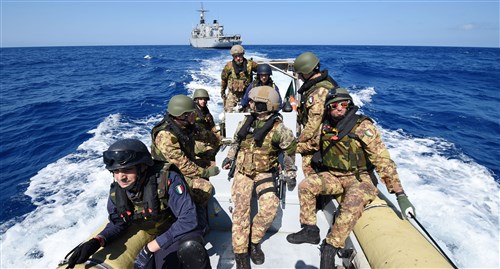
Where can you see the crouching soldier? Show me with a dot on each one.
(154, 197)
(173, 142)
(260, 137)
(351, 148)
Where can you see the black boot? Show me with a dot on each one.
(242, 261)
(328, 253)
(256, 254)
(308, 234)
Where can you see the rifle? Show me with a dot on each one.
(281, 189)
(230, 174)
(280, 178)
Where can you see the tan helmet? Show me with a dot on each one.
(200, 93)
(237, 49)
(267, 95)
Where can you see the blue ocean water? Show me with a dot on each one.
(438, 108)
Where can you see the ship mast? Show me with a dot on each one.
(202, 14)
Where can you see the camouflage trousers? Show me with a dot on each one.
(306, 164)
(232, 100)
(355, 196)
(201, 190)
(241, 195)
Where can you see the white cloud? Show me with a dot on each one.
(468, 26)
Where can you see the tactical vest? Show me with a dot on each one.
(303, 111)
(186, 142)
(259, 156)
(238, 82)
(151, 213)
(345, 155)
(204, 118)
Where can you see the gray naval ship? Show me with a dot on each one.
(211, 35)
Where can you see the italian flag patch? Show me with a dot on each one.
(179, 189)
(369, 133)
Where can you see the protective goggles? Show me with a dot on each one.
(343, 104)
(121, 157)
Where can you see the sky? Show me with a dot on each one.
(33, 23)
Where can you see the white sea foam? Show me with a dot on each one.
(70, 197)
(456, 199)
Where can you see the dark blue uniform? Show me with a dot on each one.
(186, 225)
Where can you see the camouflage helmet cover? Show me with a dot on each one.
(200, 93)
(305, 63)
(337, 95)
(237, 49)
(126, 153)
(180, 104)
(267, 95)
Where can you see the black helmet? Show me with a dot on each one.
(264, 69)
(126, 153)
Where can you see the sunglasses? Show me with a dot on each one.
(121, 157)
(344, 104)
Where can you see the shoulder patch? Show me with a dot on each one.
(179, 189)
(369, 133)
(174, 139)
(310, 100)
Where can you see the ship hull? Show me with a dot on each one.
(212, 43)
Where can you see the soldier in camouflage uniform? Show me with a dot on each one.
(236, 76)
(312, 103)
(260, 138)
(351, 148)
(207, 138)
(172, 142)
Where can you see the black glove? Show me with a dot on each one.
(144, 257)
(83, 252)
(291, 182)
(226, 161)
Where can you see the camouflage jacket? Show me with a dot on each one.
(377, 154)
(262, 156)
(168, 146)
(311, 109)
(237, 81)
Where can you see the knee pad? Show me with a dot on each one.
(192, 255)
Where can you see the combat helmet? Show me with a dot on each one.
(336, 95)
(264, 69)
(266, 95)
(126, 153)
(200, 93)
(237, 49)
(305, 63)
(180, 104)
